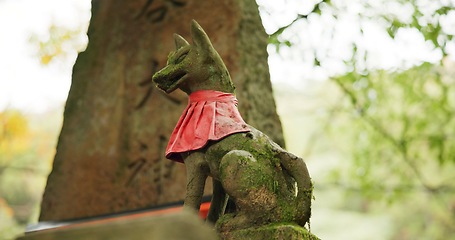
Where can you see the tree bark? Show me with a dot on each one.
(110, 153)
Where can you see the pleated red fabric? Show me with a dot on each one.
(210, 115)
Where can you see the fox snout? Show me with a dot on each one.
(169, 78)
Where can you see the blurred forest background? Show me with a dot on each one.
(365, 91)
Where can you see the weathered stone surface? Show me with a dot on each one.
(183, 225)
(110, 154)
(271, 232)
(267, 184)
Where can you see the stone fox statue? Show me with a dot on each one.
(266, 183)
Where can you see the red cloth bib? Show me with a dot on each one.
(210, 115)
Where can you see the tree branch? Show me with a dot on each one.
(316, 8)
(400, 145)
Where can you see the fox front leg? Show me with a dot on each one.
(197, 172)
(218, 203)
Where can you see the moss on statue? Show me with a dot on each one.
(255, 177)
(270, 187)
(282, 231)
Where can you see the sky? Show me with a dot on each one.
(28, 85)
(25, 83)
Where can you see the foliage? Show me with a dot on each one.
(431, 20)
(427, 18)
(276, 39)
(399, 130)
(26, 150)
(9, 227)
(59, 43)
(14, 136)
(395, 127)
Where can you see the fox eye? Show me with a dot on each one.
(181, 57)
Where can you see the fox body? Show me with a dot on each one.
(265, 183)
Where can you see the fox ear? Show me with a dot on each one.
(200, 38)
(180, 41)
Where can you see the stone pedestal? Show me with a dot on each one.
(182, 225)
(273, 231)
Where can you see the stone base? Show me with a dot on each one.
(181, 225)
(274, 231)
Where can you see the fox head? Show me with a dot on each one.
(193, 67)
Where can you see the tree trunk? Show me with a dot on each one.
(110, 153)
